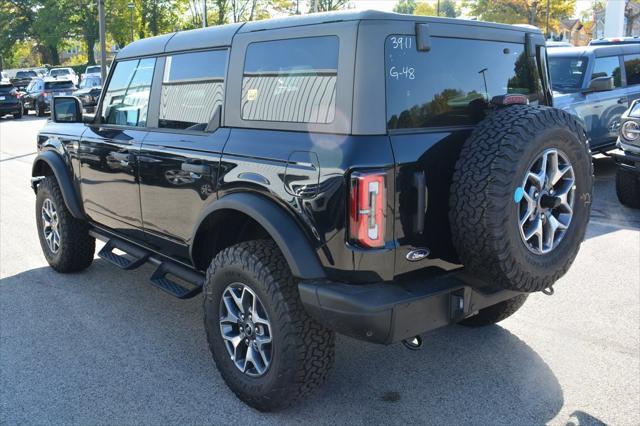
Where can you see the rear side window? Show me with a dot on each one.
(608, 67)
(291, 80)
(53, 85)
(192, 89)
(632, 69)
(126, 99)
(452, 83)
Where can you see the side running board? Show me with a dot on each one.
(188, 284)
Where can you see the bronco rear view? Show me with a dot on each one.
(366, 173)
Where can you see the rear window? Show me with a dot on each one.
(192, 89)
(55, 73)
(25, 74)
(6, 88)
(567, 73)
(452, 83)
(53, 85)
(291, 80)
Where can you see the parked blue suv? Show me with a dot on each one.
(596, 84)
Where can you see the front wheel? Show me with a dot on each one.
(65, 240)
(628, 187)
(268, 350)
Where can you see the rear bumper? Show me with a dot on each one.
(390, 312)
(10, 108)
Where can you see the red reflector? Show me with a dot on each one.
(367, 207)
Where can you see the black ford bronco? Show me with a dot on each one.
(366, 173)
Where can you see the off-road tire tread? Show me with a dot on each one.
(313, 343)
(628, 187)
(77, 247)
(496, 313)
(482, 178)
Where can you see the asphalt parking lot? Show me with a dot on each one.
(103, 346)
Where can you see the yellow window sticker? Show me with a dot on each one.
(252, 94)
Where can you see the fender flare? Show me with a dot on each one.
(60, 171)
(290, 239)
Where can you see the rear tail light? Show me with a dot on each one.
(367, 208)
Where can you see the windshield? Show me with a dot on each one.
(90, 82)
(53, 85)
(55, 73)
(567, 73)
(94, 69)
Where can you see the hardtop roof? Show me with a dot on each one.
(597, 51)
(222, 35)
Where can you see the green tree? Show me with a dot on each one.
(405, 6)
(50, 27)
(425, 9)
(328, 5)
(532, 12)
(85, 23)
(16, 20)
(449, 9)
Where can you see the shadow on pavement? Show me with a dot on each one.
(104, 346)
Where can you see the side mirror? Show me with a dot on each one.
(600, 84)
(66, 109)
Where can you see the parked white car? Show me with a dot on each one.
(64, 74)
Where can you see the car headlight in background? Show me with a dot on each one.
(630, 130)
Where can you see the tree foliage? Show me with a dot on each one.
(532, 12)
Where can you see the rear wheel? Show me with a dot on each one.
(25, 111)
(65, 240)
(628, 187)
(521, 197)
(40, 110)
(268, 350)
(496, 313)
(18, 115)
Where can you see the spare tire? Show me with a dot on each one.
(521, 197)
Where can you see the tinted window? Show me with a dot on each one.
(95, 69)
(567, 73)
(608, 67)
(126, 100)
(192, 89)
(453, 82)
(54, 85)
(291, 80)
(632, 69)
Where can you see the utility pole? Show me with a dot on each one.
(297, 7)
(204, 13)
(131, 6)
(103, 43)
(438, 8)
(548, 34)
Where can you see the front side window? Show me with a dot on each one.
(192, 89)
(127, 97)
(454, 82)
(291, 80)
(608, 67)
(632, 69)
(567, 73)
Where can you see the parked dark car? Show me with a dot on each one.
(627, 158)
(338, 172)
(596, 84)
(89, 91)
(23, 78)
(10, 102)
(40, 92)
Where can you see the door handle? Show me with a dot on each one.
(622, 100)
(420, 183)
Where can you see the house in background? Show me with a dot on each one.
(574, 31)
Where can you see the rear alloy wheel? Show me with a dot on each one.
(269, 351)
(40, 111)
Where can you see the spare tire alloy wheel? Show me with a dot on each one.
(546, 205)
(50, 225)
(245, 329)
